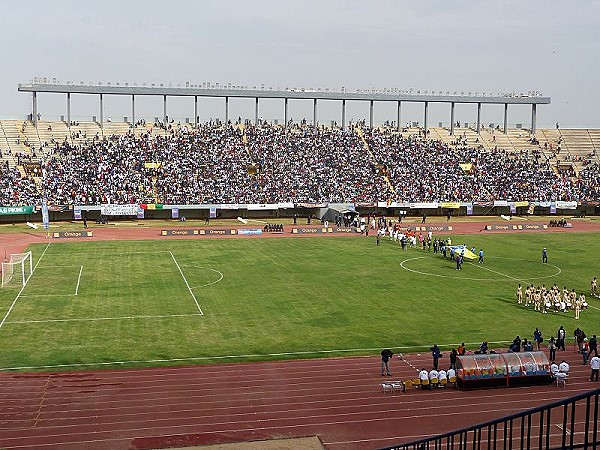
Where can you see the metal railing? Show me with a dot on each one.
(571, 423)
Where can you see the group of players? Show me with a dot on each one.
(552, 299)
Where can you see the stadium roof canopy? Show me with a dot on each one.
(343, 95)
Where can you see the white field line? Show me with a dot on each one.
(187, 284)
(21, 291)
(78, 281)
(230, 357)
(499, 273)
(94, 319)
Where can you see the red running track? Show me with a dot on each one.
(339, 399)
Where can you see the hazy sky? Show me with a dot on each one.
(471, 46)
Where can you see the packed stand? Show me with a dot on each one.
(215, 163)
(427, 170)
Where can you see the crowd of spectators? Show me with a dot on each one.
(226, 163)
(428, 170)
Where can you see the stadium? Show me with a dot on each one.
(255, 266)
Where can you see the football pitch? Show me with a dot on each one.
(150, 303)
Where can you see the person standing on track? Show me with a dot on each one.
(595, 366)
(552, 349)
(435, 353)
(386, 355)
(537, 337)
(560, 338)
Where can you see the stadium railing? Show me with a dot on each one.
(570, 423)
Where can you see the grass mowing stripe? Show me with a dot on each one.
(93, 319)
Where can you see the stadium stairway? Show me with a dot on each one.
(393, 192)
(579, 145)
(14, 134)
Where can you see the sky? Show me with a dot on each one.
(467, 46)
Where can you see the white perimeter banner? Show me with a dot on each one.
(258, 206)
(500, 202)
(566, 205)
(119, 210)
(433, 205)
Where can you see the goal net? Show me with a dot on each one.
(17, 270)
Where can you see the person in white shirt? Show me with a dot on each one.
(433, 375)
(424, 376)
(554, 368)
(442, 376)
(564, 367)
(451, 373)
(595, 366)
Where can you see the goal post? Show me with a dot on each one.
(17, 270)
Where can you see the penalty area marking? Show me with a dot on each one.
(75, 294)
(402, 264)
(78, 281)
(187, 284)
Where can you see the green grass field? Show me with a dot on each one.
(132, 304)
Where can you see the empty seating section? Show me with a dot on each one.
(217, 163)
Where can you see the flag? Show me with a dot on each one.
(151, 206)
(45, 216)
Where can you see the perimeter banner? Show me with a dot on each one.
(450, 205)
(119, 210)
(323, 230)
(421, 205)
(200, 232)
(7, 210)
(72, 234)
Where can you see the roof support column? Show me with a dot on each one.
(101, 113)
(165, 117)
(533, 118)
(505, 118)
(133, 109)
(398, 115)
(256, 112)
(371, 113)
(452, 118)
(69, 109)
(425, 117)
(343, 114)
(226, 110)
(478, 117)
(314, 112)
(195, 109)
(34, 112)
(285, 112)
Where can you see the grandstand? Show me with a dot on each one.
(299, 163)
